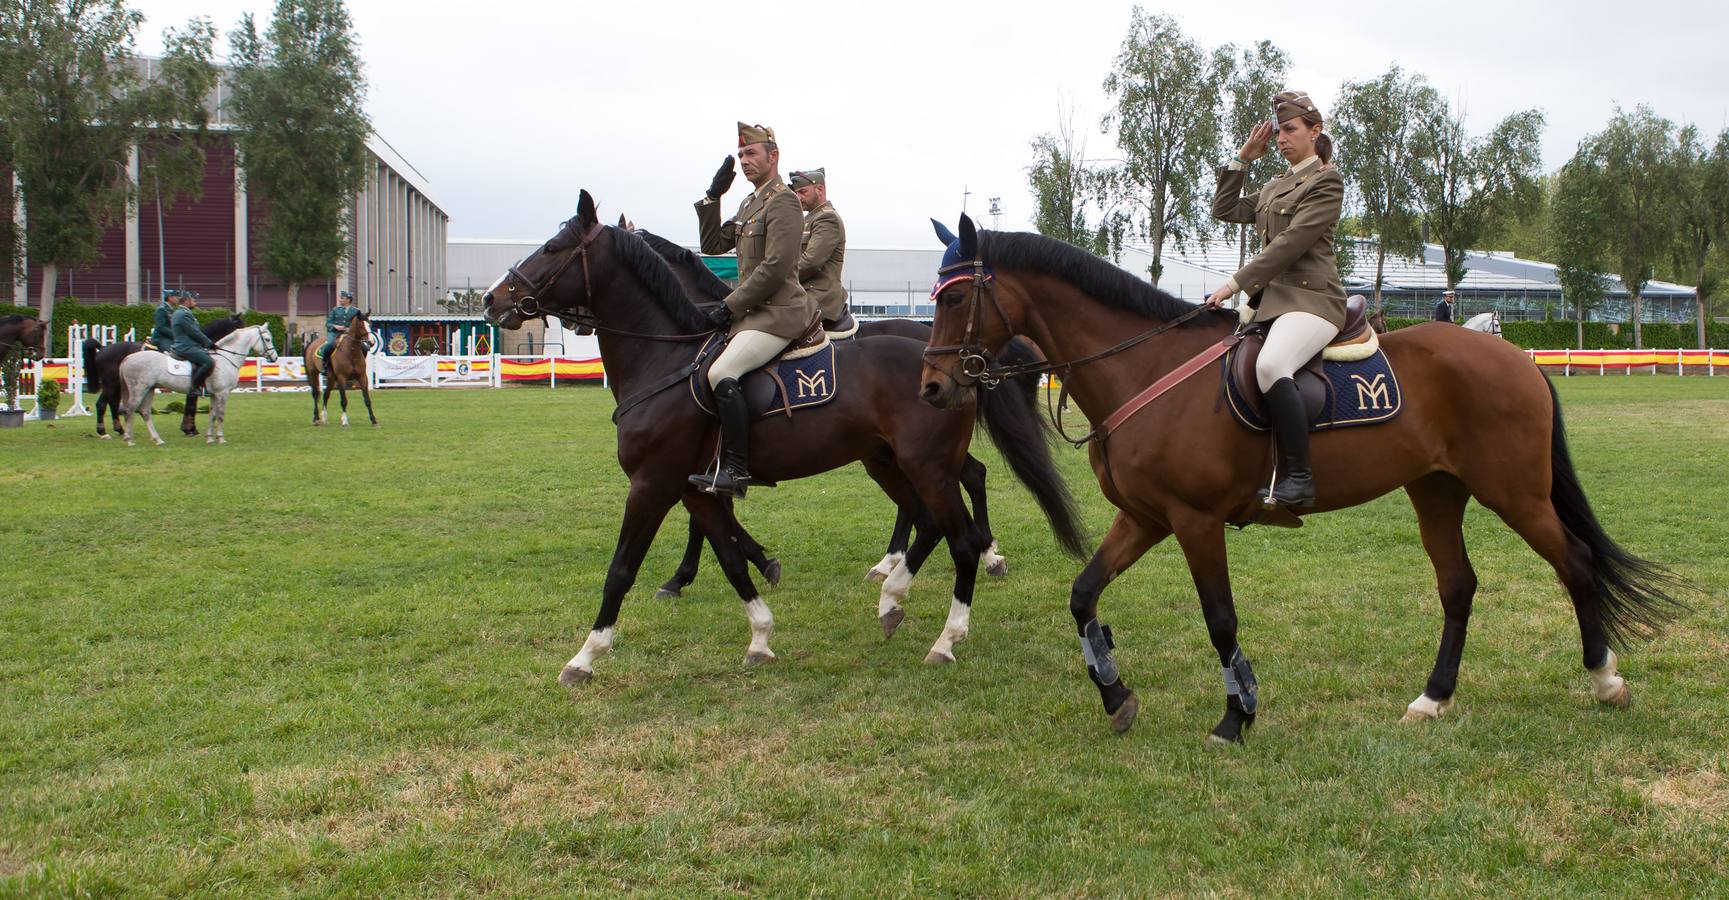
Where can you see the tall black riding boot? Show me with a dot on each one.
(1296, 484)
(733, 476)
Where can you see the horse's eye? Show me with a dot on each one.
(510, 287)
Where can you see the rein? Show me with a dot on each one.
(528, 306)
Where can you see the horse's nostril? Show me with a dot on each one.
(486, 298)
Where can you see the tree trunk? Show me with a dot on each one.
(1380, 268)
(293, 300)
(1580, 320)
(1699, 300)
(1242, 245)
(1638, 330)
(45, 301)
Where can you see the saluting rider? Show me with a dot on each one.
(768, 310)
(822, 252)
(1294, 281)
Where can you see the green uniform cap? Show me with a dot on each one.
(808, 177)
(1289, 105)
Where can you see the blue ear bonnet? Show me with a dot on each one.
(956, 265)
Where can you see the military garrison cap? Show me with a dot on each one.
(1289, 105)
(754, 134)
(808, 177)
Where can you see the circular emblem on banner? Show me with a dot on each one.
(398, 344)
(462, 369)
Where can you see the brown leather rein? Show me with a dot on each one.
(977, 368)
(528, 306)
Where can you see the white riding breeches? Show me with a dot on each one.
(745, 351)
(1293, 340)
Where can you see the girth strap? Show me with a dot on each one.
(1172, 379)
(679, 376)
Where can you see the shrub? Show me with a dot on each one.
(139, 318)
(48, 395)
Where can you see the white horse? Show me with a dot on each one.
(145, 371)
(1488, 323)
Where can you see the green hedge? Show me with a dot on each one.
(138, 317)
(1560, 335)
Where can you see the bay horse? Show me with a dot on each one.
(145, 371)
(102, 374)
(706, 289)
(347, 369)
(649, 331)
(1181, 466)
(27, 333)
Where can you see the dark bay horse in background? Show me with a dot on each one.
(705, 288)
(1181, 466)
(102, 373)
(347, 369)
(649, 331)
(23, 332)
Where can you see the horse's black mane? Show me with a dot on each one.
(217, 329)
(14, 319)
(656, 275)
(710, 284)
(1099, 279)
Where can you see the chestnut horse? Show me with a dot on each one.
(1179, 465)
(649, 332)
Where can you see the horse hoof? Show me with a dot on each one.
(876, 575)
(667, 593)
(159, 442)
(772, 572)
(934, 658)
(573, 676)
(1124, 718)
(1424, 709)
(1214, 740)
(998, 568)
(892, 620)
(758, 657)
(316, 423)
(1620, 700)
(106, 437)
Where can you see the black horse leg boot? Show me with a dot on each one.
(1296, 484)
(733, 476)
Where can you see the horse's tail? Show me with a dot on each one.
(1021, 435)
(92, 375)
(1634, 596)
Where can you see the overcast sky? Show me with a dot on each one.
(509, 107)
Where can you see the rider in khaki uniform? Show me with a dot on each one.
(768, 310)
(1294, 281)
(823, 252)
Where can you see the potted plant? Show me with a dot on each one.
(48, 400)
(11, 416)
(426, 346)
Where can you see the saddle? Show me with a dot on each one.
(1352, 360)
(845, 327)
(803, 376)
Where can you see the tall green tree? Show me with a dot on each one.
(76, 102)
(1635, 157)
(1068, 191)
(1166, 91)
(1253, 75)
(1377, 123)
(1578, 235)
(299, 96)
(1467, 188)
(1702, 182)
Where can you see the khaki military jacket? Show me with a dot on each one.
(1296, 215)
(820, 259)
(766, 235)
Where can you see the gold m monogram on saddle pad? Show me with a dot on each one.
(1338, 393)
(779, 388)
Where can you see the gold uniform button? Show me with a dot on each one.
(1305, 284)
(1281, 210)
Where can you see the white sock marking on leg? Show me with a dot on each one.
(955, 629)
(599, 644)
(1428, 707)
(1606, 680)
(894, 592)
(888, 564)
(761, 626)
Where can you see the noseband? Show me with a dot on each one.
(974, 360)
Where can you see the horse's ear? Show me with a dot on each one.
(621, 221)
(969, 237)
(943, 233)
(587, 213)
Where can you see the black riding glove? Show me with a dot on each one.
(719, 317)
(722, 180)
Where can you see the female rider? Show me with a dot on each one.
(1294, 281)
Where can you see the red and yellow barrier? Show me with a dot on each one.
(1629, 359)
(544, 368)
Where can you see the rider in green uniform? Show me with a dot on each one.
(162, 336)
(336, 325)
(190, 342)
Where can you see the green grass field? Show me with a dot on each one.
(322, 661)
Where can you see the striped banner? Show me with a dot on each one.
(542, 369)
(1629, 359)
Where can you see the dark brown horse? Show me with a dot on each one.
(23, 332)
(649, 331)
(705, 289)
(347, 369)
(1181, 466)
